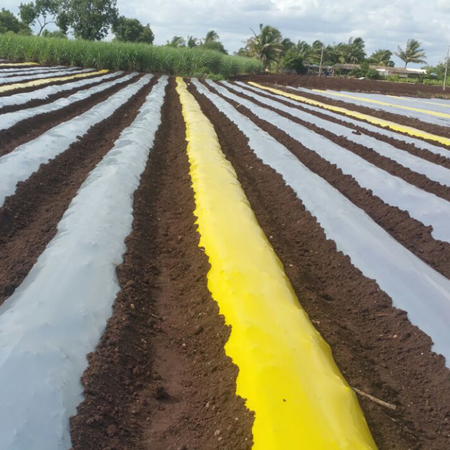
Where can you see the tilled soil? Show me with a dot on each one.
(32, 88)
(28, 219)
(31, 128)
(387, 164)
(397, 118)
(374, 344)
(410, 232)
(349, 84)
(51, 98)
(410, 148)
(159, 378)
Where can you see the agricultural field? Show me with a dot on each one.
(189, 264)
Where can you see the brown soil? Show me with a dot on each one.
(374, 344)
(31, 128)
(51, 98)
(159, 378)
(349, 84)
(387, 164)
(38, 74)
(409, 232)
(421, 153)
(33, 88)
(397, 118)
(29, 218)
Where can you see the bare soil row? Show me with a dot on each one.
(374, 344)
(29, 129)
(409, 232)
(349, 84)
(159, 378)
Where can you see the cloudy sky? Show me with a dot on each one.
(381, 23)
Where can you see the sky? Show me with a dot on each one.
(381, 23)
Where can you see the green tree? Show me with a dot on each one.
(211, 36)
(89, 19)
(352, 52)
(316, 52)
(287, 44)
(131, 30)
(42, 12)
(381, 58)
(244, 51)
(177, 41)
(10, 23)
(304, 50)
(438, 71)
(212, 42)
(412, 53)
(293, 60)
(266, 45)
(54, 34)
(192, 42)
(332, 55)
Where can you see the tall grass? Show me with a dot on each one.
(125, 56)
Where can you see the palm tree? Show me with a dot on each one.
(287, 44)
(177, 41)
(412, 53)
(192, 42)
(316, 51)
(353, 51)
(381, 58)
(266, 45)
(211, 36)
(304, 50)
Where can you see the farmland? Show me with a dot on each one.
(257, 263)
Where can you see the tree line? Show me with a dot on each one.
(93, 19)
(85, 19)
(277, 52)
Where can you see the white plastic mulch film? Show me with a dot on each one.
(372, 128)
(58, 73)
(9, 119)
(57, 315)
(423, 206)
(21, 163)
(44, 93)
(17, 72)
(413, 285)
(422, 112)
(34, 69)
(432, 171)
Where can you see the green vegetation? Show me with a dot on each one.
(210, 42)
(88, 19)
(266, 46)
(381, 58)
(131, 30)
(132, 48)
(125, 56)
(277, 52)
(41, 12)
(9, 23)
(293, 61)
(412, 53)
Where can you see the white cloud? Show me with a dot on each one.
(382, 23)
